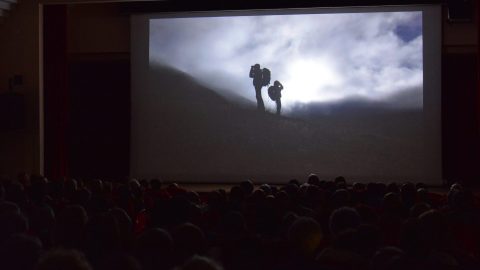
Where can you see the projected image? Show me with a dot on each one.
(279, 96)
(325, 58)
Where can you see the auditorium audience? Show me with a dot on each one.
(317, 224)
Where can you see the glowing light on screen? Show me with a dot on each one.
(310, 79)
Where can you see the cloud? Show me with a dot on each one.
(317, 57)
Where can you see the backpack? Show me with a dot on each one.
(272, 93)
(252, 72)
(265, 76)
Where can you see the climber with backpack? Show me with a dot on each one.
(261, 77)
(274, 92)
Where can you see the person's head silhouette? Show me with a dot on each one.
(276, 83)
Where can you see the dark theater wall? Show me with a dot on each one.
(460, 130)
(100, 125)
(99, 90)
(56, 109)
(20, 149)
(461, 100)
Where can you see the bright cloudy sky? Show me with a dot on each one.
(317, 57)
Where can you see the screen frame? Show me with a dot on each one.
(432, 88)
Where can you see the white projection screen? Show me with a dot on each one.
(361, 95)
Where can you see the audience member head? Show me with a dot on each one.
(420, 185)
(418, 209)
(154, 248)
(393, 188)
(173, 186)
(96, 186)
(193, 197)
(12, 220)
(382, 188)
(120, 261)
(313, 179)
(237, 195)
(20, 251)
(330, 186)
(2, 193)
(340, 182)
(42, 223)
(144, 183)
(291, 190)
(215, 200)
(38, 189)
(294, 182)
(70, 187)
(223, 193)
(24, 179)
(302, 190)
(247, 187)
(257, 196)
(102, 235)
(154, 239)
(7, 207)
(456, 186)
(155, 184)
(411, 239)
(385, 258)
(374, 194)
(15, 192)
(305, 235)
(107, 187)
(442, 261)
(124, 195)
(342, 219)
(315, 196)
(200, 263)
(267, 189)
(367, 214)
(61, 259)
(340, 198)
(460, 199)
(408, 193)
(71, 225)
(135, 187)
(274, 190)
(233, 223)
(368, 239)
(282, 200)
(422, 195)
(392, 203)
(82, 197)
(359, 187)
(287, 220)
(174, 212)
(188, 240)
(125, 224)
(435, 232)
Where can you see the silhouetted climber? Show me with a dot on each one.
(274, 92)
(261, 77)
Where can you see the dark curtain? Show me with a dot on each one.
(56, 102)
(99, 88)
(477, 104)
(461, 143)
